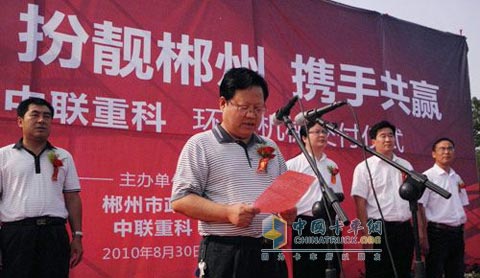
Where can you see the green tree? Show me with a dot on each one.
(477, 152)
(476, 130)
(476, 121)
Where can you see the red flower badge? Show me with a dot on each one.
(333, 173)
(266, 153)
(56, 162)
(461, 185)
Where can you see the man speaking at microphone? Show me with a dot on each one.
(221, 172)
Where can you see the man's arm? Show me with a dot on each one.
(197, 207)
(361, 208)
(422, 228)
(74, 208)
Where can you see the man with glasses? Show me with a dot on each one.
(219, 176)
(314, 137)
(442, 236)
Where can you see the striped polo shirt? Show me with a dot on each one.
(219, 168)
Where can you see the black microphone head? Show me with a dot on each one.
(310, 115)
(285, 111)
(340, 196)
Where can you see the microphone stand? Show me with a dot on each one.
(329, 198)
(411, 190)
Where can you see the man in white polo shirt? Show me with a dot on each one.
(39, 190)
(315, 139)
(374, 179)
(442, 237)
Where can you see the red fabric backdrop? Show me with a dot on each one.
(131, 81)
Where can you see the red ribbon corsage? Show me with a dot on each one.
(333, 173)
(56, 162)
(266, 153)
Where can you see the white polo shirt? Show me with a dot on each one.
(386, 181)
(26, 185)
(438, 209)
(314, 193)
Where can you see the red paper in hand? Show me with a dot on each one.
(284, 193)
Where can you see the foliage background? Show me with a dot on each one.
(476, 130)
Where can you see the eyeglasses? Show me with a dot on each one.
(244, 109)
(446, 149)
(318, 132)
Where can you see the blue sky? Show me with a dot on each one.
(452, 16)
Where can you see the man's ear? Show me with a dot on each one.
(20, 121)
(222, 102)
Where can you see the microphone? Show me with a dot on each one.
(340, 196)
(277, 117)
(302, 117)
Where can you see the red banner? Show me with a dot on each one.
(131, 81)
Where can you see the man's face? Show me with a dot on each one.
(317, 138)
(444, 153)
(36, 122)
(384, 142)
(242, 113)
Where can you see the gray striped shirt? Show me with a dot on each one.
(215, 166)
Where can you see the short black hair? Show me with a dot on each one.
(434, 146)
(306, 127)
(23, 106)
(380, 125)
(240, 79)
